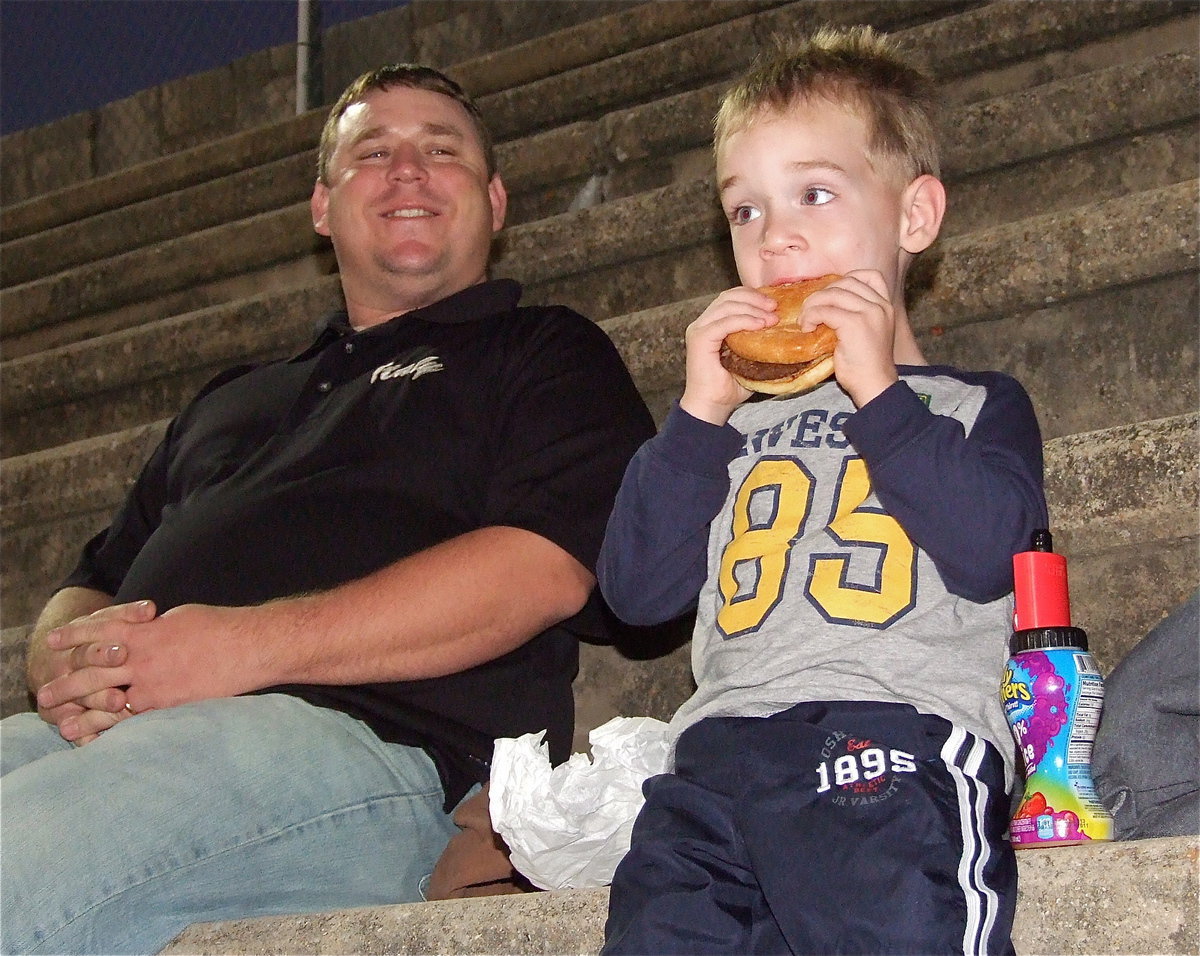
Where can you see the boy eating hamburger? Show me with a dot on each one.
(841, 774)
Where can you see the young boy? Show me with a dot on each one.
(841, 773)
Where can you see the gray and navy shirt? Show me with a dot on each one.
(835, 554)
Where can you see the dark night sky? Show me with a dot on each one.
(59, 57)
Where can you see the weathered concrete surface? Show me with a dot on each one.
(596, 40)
(1121, 355)
(247, 192)
(157, 177)
(349, 49)
(189, 273)
(255, 91)
(1137, 897)
(158, 366)
(151, 123)
(205, 186)
(1123, 504)
(1118, 594)
(1124, 484)
(54, 501)
(1147, 97)
(13, 697)
(604, 263)
(228, 249)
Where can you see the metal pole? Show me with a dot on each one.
(308, 55)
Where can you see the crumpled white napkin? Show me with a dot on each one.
(569, 827)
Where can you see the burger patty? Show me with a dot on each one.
(759, 371)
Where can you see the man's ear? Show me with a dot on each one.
(320, 208)
(923, 206)
(499, 199)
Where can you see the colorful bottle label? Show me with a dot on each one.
(1053, 699)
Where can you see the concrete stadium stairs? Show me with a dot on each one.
(1068, 259)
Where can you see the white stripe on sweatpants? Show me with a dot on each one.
(981, 900)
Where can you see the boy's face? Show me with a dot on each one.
(805, 198)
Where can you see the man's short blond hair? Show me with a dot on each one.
(857, 68)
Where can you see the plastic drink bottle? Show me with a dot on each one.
(1053, 695)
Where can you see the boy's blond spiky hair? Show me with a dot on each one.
(856, 67)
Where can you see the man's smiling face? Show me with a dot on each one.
(409, 205)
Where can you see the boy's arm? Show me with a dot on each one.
(970, 502)
(654, 558)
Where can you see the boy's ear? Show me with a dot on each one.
(924, 205)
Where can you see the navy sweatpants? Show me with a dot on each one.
(828, 828)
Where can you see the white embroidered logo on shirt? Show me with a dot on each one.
(431, 363)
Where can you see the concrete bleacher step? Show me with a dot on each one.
(1136, 897)
(681, 62)
(274, 168)
(479, 35)
(158, 177)
(252, 172)
(669, 138)
(1030, 120)
(260, 187)
(599, 261)
(595, 39)
(98, 293)
(229, 247)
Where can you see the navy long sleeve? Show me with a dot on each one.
(970, 502)
(654, 557)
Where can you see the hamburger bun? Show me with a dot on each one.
(783, 360)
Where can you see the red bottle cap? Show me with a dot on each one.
(1040, 587)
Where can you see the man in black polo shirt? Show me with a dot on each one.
(336, 581)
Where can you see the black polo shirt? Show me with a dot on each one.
(299, 475)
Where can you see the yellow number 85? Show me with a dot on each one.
(763, 548)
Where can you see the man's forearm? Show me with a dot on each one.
(63, 606)
(456, 605)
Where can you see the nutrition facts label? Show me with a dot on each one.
(1087, 710)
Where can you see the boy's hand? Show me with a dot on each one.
(859, 309)
(711, 393)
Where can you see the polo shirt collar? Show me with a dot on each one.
(480, 301)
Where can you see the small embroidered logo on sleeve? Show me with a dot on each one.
(411, 370)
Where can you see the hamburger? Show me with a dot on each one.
(782, 360)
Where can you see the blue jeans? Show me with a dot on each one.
(217, 810)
